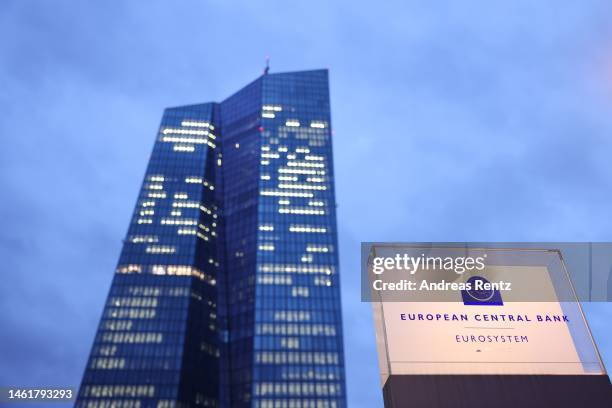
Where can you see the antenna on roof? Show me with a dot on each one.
(267, 69)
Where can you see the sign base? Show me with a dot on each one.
(498, 391)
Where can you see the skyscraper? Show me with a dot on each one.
(226, 293)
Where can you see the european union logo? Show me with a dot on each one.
(478, 296)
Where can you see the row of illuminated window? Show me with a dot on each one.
(119, 391)
(295, 186)
(144, 213)
(290, 343)
(297, 357)
(309, 248)
(183, 148)
(291, 316)
(305, 164)
(173, 270)
(182, 270)
(196, 123)
(293, 122)
(275, 280)
(307, 172)
(143, 364)
(173, 315)
(291, 156)
(173, 291)
(107, 363)
(189, 132)
(272, 108)
(186, 204)
(302, 329)
(307, 228)
(179, 231)
(295, 403)
(266, 247)
(295, 268)
(294, 126)
(308, 258)
(295, 228)
(122, 301)
(301, 211)
(198, 180)
(160, 249)
(158, 178)
(124, 403)
(276, 193)
(174, 221)
(148, 325)
(133, 313)
(154, 186)
(132, 337)
(297, 389)
(139, 239)
(301, 171)
(296, 291)
(308, 373)
(105, 351)
(179, 139)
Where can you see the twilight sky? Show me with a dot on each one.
(453, 121)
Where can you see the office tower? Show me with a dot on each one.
(226, 293)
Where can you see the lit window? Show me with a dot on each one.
(286, 193)
(183, 148)
(307, 228)
(174, 131)
(273, 108)
(317, 248)
(304, 164)
(300, 211)
(193, 123)
(288, 178)
(314, 157)
(301, 186)
(159, 249)
(194, 140)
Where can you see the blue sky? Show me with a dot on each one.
(453, 121)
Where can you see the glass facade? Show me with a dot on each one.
(227, 292)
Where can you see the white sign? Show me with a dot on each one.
(495, 336)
